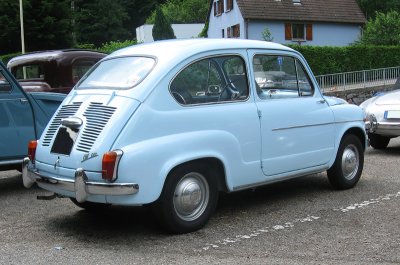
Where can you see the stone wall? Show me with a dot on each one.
(357, 96)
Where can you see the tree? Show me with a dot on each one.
(183, 11)
(266, 34)
(383, 30)
(10, 29)
(162, 29)
(101, 21)
(370, 7)
(47, 25)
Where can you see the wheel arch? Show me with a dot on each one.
(216, 165)
(359, 133)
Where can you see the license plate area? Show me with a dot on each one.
(65, 140)
(392, 114)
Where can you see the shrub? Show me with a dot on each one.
(112, 46)
(329, 60)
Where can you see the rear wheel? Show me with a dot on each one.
(378, 141)
(188, 199)
(348, 166)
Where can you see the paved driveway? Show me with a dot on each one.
(301, 221)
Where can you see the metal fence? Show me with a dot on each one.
(359, 79)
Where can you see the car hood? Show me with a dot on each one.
(332, 101)
(392, 98)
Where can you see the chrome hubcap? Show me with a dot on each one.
(350, 162)
(191, 196)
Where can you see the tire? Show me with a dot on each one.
(378, 141)
(188, 199)
(348, 165)
(90, 206)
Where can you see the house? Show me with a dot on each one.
(310, 22)
(144, 33)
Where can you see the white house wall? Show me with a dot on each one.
(182, 31)
(324, 34)
(225, 20)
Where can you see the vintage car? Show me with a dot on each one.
(173, 123)
(23, 117)
(383, 117)
(52, 71)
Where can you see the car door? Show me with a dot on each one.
(16, 119)
(297, 124)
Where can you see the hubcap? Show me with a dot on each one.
(350, 162)
(191, 196)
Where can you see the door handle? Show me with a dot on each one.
(23, 100)
(322, 101)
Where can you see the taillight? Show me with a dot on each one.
(32, 150)
(110, 165)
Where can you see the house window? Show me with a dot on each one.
(229, 5)
(218, 7)
(298, 32)
(236, 31)
(233, 32)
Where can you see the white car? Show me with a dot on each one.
(383, 118)
(173, 123)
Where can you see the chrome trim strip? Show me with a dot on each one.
(303, 126)
(313, 125)
(80, 185)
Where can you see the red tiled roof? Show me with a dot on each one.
(339, 11)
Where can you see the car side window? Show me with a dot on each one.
(211, 80)
(33, 71)
(5, 86)
(280, 77)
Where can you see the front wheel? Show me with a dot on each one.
(348, 165)
(378, 141)
(188, 199)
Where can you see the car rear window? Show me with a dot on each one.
(118, 73)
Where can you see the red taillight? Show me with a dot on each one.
(110, 164)
(32, 150)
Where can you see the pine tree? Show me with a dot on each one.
(162, 29)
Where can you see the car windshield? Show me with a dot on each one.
(118, 73)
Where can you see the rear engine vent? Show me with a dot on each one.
(97, 117)
(64, 112)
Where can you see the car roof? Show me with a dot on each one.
(45, 56)
(188, 47)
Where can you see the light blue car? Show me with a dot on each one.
(23, 116)
(173, 123)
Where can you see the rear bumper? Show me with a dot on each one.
(79, 185)
(382, 127)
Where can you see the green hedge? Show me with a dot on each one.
(322, 60)
(329, 60)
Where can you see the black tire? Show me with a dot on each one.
(348, 165)
(91, 206)
(378, 141)
(188, 199)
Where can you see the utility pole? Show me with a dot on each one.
(21, 17)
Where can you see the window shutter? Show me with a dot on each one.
(215, 9)
(288, 31)
(309, 34)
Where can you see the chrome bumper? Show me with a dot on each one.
(80, 185)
